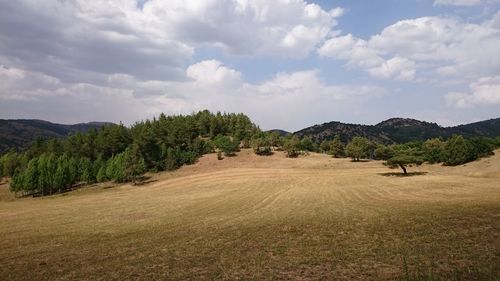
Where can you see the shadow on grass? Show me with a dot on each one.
(144, 182)
(401, 174)
(360, 161)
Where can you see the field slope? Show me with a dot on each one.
(263, 218)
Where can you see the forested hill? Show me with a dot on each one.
(18, 133)
(399, 130)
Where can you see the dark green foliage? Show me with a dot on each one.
(325, 146)
(133, 163)
(457, 150)
(30, 177)
(402, 157)
(358, 148)
(481, 147)
(170, 160)
(383, 152)
(101, 174)
(62, 177)
(337, 148)
(86, 170)
(121, 154)
(399, 130)
(496, 142)
(225, 144)
(292, 146)
(433, 150)
(261, 144)
(9, 162)
(307, 144)
(115, 152)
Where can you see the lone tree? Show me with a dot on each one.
(358, 148)
(292, 147)
(403, 158)
(337, 148)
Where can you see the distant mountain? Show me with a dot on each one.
(398, 130)
(282, 133)
(18, 133)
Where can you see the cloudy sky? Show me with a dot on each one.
(286, 63)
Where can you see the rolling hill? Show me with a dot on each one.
(397, 130)
(17, 133)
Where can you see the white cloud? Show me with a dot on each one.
(80, 40)
(457, 2)
(424, 47)
(359, 54)
(212, 71)
(84, 41)
(485, 91)
(284, 100)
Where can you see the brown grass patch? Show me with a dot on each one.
(263, 218)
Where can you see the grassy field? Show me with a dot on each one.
(263, 218)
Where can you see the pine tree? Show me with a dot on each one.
(30, 178)
(133, 163)
(101, 174)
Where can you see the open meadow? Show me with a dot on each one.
(263, 218)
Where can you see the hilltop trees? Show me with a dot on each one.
(123, 154)
(225, 144)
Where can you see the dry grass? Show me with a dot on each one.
(263, 218)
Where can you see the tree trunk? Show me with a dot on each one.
(404, 169)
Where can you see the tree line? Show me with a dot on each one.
(123, 154)
(120, 153)
(454, 151)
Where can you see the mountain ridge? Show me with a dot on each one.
(18, 133)
(398, 130)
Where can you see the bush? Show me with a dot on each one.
(457, 150)
(261, 144)
(226, 145)
(433, 150)
(337, 148)
(383, 152)
(358, 148)
(292, 147)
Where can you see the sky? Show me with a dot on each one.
(287, 64)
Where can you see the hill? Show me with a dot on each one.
(398, 130)
(17, 133)
(263, 218)
(282, 133)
